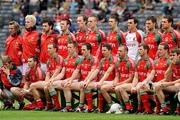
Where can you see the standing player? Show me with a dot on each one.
(64, 38)
(170, 36)
(82, 32)
(133, 38)
(48, 36)
(115, 37)
(95, 37)
(33, 74)
(30, 40)
(13, 47)
(153, 37)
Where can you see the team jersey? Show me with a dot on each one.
(153, 40)
(46, 39)
(115, 39)
(160, 67)
(30, 45)
(125, 68)
(13, 48)
(96, 39)
(132, 41)
(143, 68)
(104, 65)
(171, 37)
(81, 38)
(176, 71)
(70, 65)
(86, 65)
(54, 63)
(63, 42)
(34, 75)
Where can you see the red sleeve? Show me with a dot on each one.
(95, 63)
(123, 37)
(60, 62)
(79, 66)
(132, 68)
(72, 37)
(103, 37)
(151, 67)
(40, 74)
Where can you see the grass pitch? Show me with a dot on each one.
(36, 115)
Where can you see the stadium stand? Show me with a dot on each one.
(133, 6)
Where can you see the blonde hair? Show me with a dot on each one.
(32, 18)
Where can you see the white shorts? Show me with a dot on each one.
(8, 93)
(44, 67)
(24, 68)
(108, 82)
(20, 68)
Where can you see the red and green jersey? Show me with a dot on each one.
(86, 65)
(81, 38)
(171, 37)
(143, 68)
(54, 63)
(70, 65)
(153, 40)
(104, 65)
(115, 39)
(125, 68)
(63, 42)
(30, 45)
(176, 71)
(13, 48)
(160, 67)
(34, 75)
(96, 39)
(46, 39)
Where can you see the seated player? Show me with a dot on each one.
(33, 74)
(10, 76)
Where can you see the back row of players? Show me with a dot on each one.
(116, 72)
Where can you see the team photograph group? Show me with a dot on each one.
(140, 69)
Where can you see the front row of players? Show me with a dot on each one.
(146, 81)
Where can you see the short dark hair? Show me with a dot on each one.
(108, 46)
(125, 47)
(169, 18)
(145, 46)
(75, 44)
(94, 16)
(84, 17)
(16, 25)
(115, 17)
(50, 22)
(165, 45)
(67, 21)
(35, 58)
(152, 18)
(135, 19)
(88, 46)
(175, 50)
